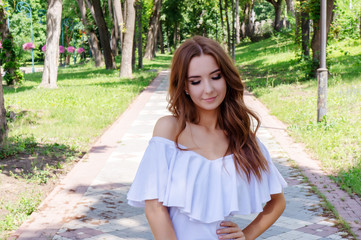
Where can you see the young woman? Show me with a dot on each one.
(204, 163)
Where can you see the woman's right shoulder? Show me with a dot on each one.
(166, 127)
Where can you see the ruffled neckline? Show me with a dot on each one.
(173, 144)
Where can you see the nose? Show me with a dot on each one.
(208, 88)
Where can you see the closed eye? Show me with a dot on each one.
(195, 82)
(218, 76)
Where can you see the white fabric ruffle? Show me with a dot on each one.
(204, 190)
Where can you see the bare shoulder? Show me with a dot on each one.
(166, 127)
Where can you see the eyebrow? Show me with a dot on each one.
(209, 73)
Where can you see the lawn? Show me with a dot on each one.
(274, 73)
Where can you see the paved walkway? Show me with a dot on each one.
(90, 203)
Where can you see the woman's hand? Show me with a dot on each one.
(230, 230)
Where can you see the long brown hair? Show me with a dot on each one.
(234, 117)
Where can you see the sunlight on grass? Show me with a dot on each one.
(273, 73)
(86, 102)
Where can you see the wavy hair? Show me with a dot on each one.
(234, 118)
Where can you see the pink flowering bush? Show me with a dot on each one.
(43, 48)
(1, 45)
(80, 50)
(28, 46)
(61, 49)
(70, 49)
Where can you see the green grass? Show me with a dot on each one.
(274, 74)
(19, 212)
(86, 102)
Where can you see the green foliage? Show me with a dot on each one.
(346, 23)
(10, 63)
(263, 10)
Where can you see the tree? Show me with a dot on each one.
(104, 35)
(316, 39)
(118, 24)
(126, 63)
(290, 7)
(9, 59)
(238, 27)
(3, 125)
(92, 37)
(139, 33)
(53, 29)
(153, 30)
(278, 11)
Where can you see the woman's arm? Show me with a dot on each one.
(159, 220)
(271, 212)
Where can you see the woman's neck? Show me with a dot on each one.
(209, 120)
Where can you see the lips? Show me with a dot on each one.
(210, 99)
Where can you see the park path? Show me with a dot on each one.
(90, 203)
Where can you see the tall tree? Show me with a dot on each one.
(139, 33)
(126, 63)
(290, 7)
(278, 11)
(92, 37)
(118, 22)
(9, 60)
(104, 35)
(305, 29)
(3, 125)
(153, 30)
(53, 29)
(316, 38)
(228, 28)
(238, 27)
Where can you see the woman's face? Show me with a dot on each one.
(205, 84)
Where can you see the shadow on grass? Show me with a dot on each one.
(25, 158)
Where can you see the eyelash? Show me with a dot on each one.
(217, 77)
(214, 78)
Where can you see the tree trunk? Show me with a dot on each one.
(153, 30)
(161, 41)
(290, 7)
(238, 27)
(250, 24)
(53, 29)
(278, 11)
(126, 64)
(316, 39)
(245, 20)
(92, 37)
(118, 21)
(139, 34)
(3, 125)
(104, 35)
(134, 46)
(228, 28)
(305, 25)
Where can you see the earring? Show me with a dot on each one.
(187, 92)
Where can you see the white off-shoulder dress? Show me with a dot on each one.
(199, 193)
